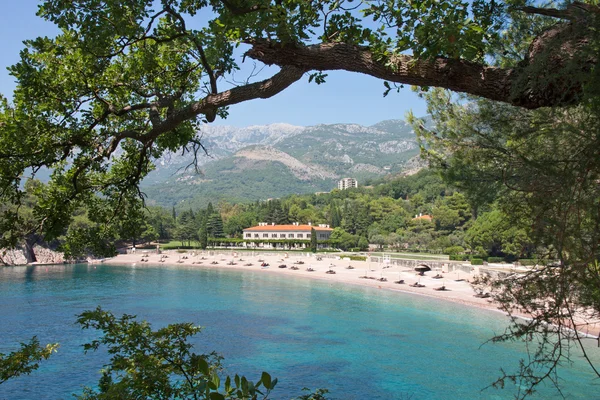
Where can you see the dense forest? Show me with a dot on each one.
(417, 213)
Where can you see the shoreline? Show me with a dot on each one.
(457, 283)
(459, 292)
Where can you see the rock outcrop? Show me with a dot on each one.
(43, 255)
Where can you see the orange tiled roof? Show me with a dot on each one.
(279, 228)
(427, 217)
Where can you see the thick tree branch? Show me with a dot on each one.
(458, 75)
(259, 90)
(572, 12)
(501, 84)
(548, 12)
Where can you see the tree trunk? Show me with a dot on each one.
(28, 250)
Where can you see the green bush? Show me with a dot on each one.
(452, 250)
(528, 261)
(458, 257)
(476, 261)
(358, 258)
(495, 259)
(176, 247)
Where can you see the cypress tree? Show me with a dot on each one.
(313, 240)
(203, 236)
(336, 218)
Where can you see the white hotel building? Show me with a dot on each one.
(293, 231)
(347, 183)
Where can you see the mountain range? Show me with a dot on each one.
(270, 161)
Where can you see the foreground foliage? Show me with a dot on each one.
(544, 167)
(25, 360)
(148, 364)
(160, 364)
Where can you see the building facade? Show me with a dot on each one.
(291, 232)
(347, 183)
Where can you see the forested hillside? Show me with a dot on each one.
(271, 161)
(392, 215)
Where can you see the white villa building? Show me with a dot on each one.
(293, 231)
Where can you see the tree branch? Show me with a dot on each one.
(548, 12)
(258, 90)
(458, 75)
(509, 85)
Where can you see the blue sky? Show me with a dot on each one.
(345, 97)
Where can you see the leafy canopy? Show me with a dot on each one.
(126, 81)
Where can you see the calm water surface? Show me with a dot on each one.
(360, 343)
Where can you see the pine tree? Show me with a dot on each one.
(186, 229)
(210, 209)
(218, 226)
(214, 226)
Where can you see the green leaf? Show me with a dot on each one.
(265, 379)
(203, 366)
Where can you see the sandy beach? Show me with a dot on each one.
(457, 285)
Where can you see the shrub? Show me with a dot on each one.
(528, 261)
(476, 261)
(176, 247)
(358, 258)
(458, 257)
(495, 259)
(452, 250)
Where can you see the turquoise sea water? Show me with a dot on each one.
(360, 343)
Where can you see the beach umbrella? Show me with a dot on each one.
(422, 268)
